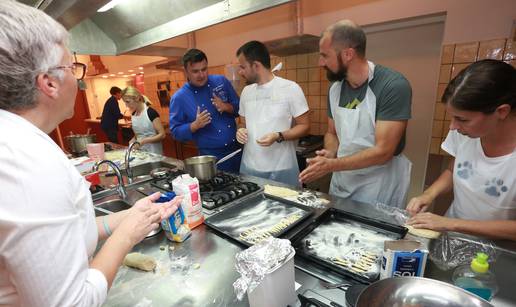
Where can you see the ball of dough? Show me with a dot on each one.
(140, 261)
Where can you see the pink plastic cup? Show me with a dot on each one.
(95, 151)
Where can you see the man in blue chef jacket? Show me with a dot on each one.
(204, 110)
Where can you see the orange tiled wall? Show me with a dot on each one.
(177, 80)
(454, 58)
(305, 71)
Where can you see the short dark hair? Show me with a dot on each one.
(115, 90)
(193, 56)
(346, 33)
(255, 51)
(482, 87)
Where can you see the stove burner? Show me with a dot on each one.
(220, 190)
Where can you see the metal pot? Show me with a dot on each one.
(76, 143)
(202, 167)
(205, 167)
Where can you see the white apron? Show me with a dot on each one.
(387, 183)
(142, 128)
(270, 113)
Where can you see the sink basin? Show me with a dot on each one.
(144, 169)
(111, 206)
(105, 207)
(111, 202)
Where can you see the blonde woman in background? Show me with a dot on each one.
(147, 127)
(147, 100)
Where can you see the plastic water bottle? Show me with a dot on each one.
(476, 277)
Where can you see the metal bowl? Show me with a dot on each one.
(416, 291)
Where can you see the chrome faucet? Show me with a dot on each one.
(120, 188)
(128, 169)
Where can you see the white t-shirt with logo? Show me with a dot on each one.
(271, 107)
(484, 188)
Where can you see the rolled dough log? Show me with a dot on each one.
(140, 261)
(424, 233)
(279, 191)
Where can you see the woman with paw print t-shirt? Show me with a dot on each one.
(482, 140)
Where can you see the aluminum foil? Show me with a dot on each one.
(257, 261)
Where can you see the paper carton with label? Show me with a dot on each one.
(403, 258)
(192, 205)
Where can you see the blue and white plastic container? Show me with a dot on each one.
(175, 226)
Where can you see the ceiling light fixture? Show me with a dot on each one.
(111, 4)
(140, 68)
(130, 70)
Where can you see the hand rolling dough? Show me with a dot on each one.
(424, 233)
(140, 261)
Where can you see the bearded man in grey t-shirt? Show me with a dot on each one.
(368, 110)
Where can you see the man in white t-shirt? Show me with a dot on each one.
(274, 114)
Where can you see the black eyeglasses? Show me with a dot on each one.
(78, 69)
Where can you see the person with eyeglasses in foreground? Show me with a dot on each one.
(482, 141)
(48, 229)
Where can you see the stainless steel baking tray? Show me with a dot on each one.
(348, 244)
(257, 218)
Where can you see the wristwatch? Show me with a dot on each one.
(280, 137)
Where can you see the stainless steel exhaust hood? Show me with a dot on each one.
(303, 43)
(299, 43)
(133, 25)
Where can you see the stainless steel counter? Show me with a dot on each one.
(177, 282)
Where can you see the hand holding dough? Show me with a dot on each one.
(424, 233)
(140, 261)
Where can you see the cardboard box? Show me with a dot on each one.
(403, 258)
